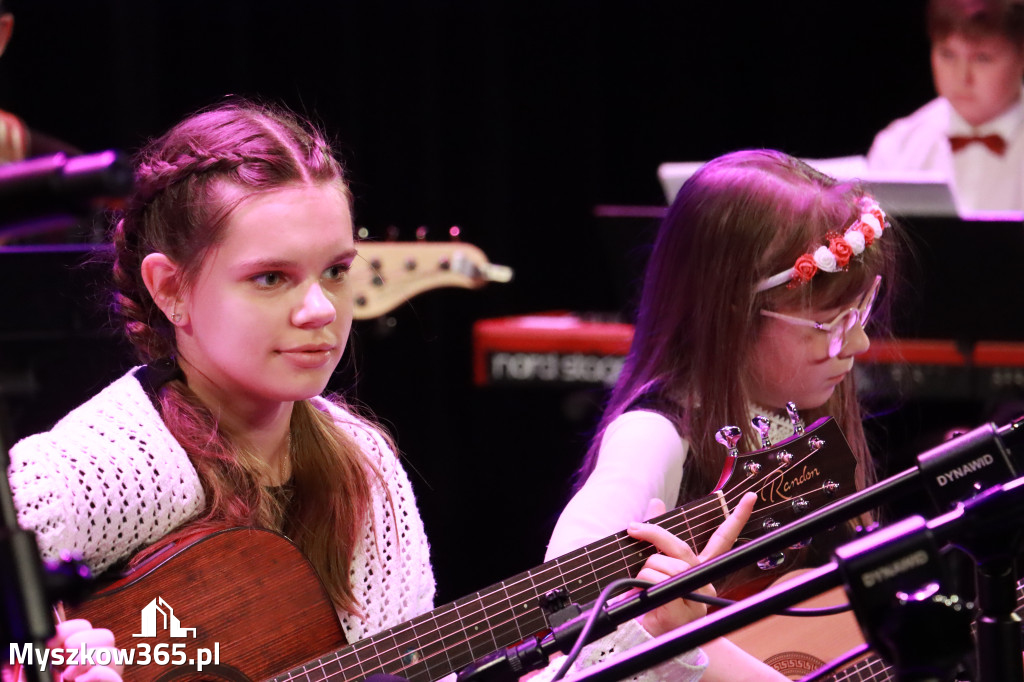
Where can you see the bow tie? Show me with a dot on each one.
(995, 143)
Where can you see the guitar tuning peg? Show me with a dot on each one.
(391, 233)
(421, 233)
(729, 436)
(762, 425)
(454, 233)
(795, 419)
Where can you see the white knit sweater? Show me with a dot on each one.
(110, 479)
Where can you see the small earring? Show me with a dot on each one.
(175, 318)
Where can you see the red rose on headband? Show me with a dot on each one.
(841, 249)
(879, 215)
(804, 269)
(867, 231)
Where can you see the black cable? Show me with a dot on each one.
(616, 585)
(602, 599)
(799, 613)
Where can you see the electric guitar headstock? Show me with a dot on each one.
(798, 475)
(386, 274)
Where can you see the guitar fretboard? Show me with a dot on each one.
(454, 635)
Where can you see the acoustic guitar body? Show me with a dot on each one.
(249, 594)
(797, 646)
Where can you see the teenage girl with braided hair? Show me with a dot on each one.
(230, 275)
(758, 288)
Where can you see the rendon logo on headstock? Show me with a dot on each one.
(793, 477)
(784, 485)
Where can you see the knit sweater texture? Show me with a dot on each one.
(109, 479)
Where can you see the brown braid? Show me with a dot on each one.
(159, 174)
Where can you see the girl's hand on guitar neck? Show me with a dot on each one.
(675, 556)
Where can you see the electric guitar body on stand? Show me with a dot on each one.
(252, 598)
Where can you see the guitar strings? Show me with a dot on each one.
(390, 656)
(394, 655)
(608, 561)
(633, 559)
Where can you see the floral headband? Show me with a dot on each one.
(836, 256)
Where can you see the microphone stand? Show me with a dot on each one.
(994, 551)
(28, 617)
(28, 588)
(953, 471)
(895, 566)
(48, 184)
(28, 190)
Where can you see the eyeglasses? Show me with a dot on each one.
(843, 322)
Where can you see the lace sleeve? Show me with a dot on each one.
(685, 668)
(391, 569)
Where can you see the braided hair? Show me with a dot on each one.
(179, 206)
(188, 183)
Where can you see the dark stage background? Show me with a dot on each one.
(510, 119)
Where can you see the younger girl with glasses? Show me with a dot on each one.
(757, 292)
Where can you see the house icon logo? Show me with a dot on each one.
(159, 610)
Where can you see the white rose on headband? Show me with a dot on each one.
(872, 221)
(825, 259)
(856, 240)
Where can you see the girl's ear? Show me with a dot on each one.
(161, 277)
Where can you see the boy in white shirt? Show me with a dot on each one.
(973, 132)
